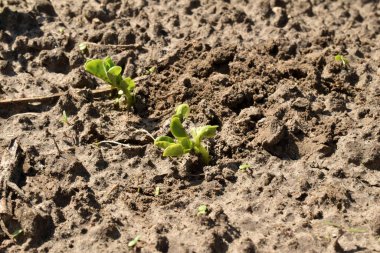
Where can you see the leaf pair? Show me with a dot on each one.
(106, 70)
(183, 143)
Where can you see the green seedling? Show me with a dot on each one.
(106, 70)
(341, 59)
(61, 30)
(345, 229)
(64, 118)
(133, 242)
(157, 191)
(183, 143)
(17, 233)
(83, 47)
(244, 167)
(202, 210)
(151, 70)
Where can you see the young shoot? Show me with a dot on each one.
(157, 191)
(244, 167)
(64, 118)
(106, 70)
(343, 60)
(183, 142)
(82, 46)
(133, 242)
(202, 210)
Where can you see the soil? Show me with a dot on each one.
(263, 71)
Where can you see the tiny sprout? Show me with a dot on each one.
(61, 30)
(64, 118)
(83, 47)
(157, 191)
(151, 70)
(244, 167)
(349, 230)
(17, 233)
(341, 59)
(202, 210)
(133, 242)
(106, 70)
(183, 143)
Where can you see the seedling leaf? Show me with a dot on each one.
(186, 144)
(342, 59)
(130, 83)
(177, 129)
(133, 242)
(157, 191)
(17, 233)
(203, 132)
(107, 71)
(202, 210)
(174, 150)
(182, 112)
(96, 68)
(115, 70)
(244, 167)
(356, 230)
(64, 119)
(82, 46)
(163, 141)
(108, 63)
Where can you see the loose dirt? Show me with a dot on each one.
(264, 71)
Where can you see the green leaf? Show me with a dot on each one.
(115, 70)
(151, 70)
(114, 76)
(157, 191)
(200, 133)
(130, 84)
(17, 233)
(133, 242)
(96, 68)
(202, 210)
(342, 59)
(356, 230)
(163, 141)
(199, 149)
(182, 112)
(174, 150)
(108, 63)
(186, 143)
(177, 129)
(244, 167)
(82, 46)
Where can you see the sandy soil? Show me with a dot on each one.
(264, 71)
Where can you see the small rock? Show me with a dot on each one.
(271, 132)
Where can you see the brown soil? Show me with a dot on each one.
(264, 71)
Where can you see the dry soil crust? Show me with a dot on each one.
(264, 71)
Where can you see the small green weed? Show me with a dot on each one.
(244, 167)
(341, 59)
(345, 229)
(183, 143)
(157, 191)
(133, 242)
(151, 70)
(64, 118)
(202, 210)
(106, 70)
(17, 233)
